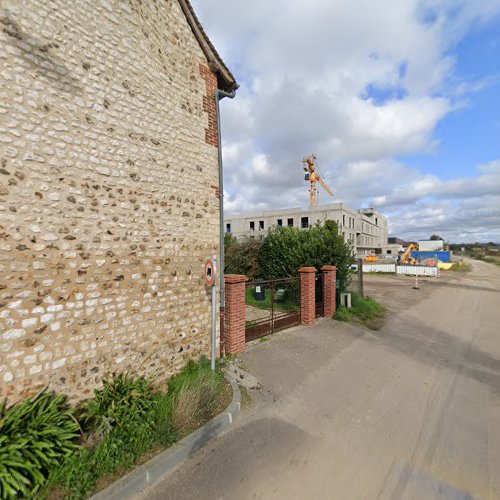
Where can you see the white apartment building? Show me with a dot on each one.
(366, 229)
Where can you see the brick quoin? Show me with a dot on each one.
(211, 136)
(329, 292)
(235, 313)
(308, 295)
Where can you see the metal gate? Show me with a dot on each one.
(319, 295)
(271, 306)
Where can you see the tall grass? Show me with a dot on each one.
(193, 394)
(365, 310)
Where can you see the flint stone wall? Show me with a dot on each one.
(108, 208)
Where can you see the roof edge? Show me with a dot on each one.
(225, 79)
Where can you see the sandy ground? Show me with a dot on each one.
(408, 412)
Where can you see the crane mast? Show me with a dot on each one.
(312, 176)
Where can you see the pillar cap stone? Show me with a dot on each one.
(329, 268)
(307, 270)
(235, 278)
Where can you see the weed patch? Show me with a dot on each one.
(461, 267)
(365, 310)
(342, 314)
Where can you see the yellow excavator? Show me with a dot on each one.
(406, 258)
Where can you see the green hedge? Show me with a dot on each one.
(285, 250)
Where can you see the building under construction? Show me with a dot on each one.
(366, 229)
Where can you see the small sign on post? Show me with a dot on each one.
(210, 272)
(210, 280)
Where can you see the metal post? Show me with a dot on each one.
(214, 316)
(214, 325)
(360, 278)
(416, 286)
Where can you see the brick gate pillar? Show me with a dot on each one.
(329, 298)
(308, 295)
(235, 313)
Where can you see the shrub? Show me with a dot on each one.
(287, 249)
(341, 314)
(35, 437)
(241, 256)
(121, 402)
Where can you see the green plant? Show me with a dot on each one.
(285, 250)
(35, 437)
(461, 266)
(121, 401)
(341, 314)
(241, 256)
(366, 310)
(126, 418)
(193, 394)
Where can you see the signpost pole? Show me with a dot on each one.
(214, 319)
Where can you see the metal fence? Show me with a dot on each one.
(271, 306)
(401, 269)
(418, 271)
(379, 268)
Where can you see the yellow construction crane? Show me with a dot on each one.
(312, 176)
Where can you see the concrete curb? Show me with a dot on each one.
(146, 474)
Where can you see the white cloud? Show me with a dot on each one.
(359, 83)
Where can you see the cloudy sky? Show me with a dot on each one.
(399, 99)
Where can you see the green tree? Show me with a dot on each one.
(240, 256)
(286, 250)
(229, 240)
(436, 237)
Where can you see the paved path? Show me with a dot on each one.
(409, 412)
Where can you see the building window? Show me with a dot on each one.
(252, 225)
(304, 222)
(376, 221)
(290, 223)
(261, 225)
(228, 228)
(280, 222)
(343, 220)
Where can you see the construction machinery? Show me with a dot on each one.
(371, 258)
(312, 176)
(406, 258)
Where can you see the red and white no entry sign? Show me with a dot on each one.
(210, 272)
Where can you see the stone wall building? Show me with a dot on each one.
(108, 190)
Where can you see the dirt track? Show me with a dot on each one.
(408, 412)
